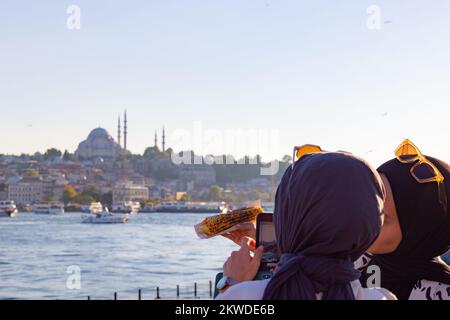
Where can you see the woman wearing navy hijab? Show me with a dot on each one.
(328, 211)
(416, 229)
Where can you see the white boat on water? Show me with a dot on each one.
(104, 217)
(48, 208)
(8, 209)
(94, 207)
(129, 207)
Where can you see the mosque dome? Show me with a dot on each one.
(99, 144)
(98, 133)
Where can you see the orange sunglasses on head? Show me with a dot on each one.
(302, 150)
(299, 152)
(423, 170)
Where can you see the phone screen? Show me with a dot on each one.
(268, 239)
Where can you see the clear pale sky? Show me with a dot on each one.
(310, 69)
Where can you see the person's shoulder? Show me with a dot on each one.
(379, 294)
(247, 290)
(374, 294)
(371, 293)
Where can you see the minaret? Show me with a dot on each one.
(164, 140)
(156, 139)
(118, 132)
(125, 131)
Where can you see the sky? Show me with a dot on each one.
(295, 72)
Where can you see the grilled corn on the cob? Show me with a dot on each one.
(218, 224)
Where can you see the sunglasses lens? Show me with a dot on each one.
(407, 152)
(306, 150)
(424, 171)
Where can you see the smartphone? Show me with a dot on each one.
(265, 236)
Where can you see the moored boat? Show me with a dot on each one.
(94, 207)
(129, 207)
(8, 209)
(104, 217)
(48, 208)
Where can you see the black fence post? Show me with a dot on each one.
(115, 295)
(210, 289)
(195, 289)
(178, 291)
(89, 297)
(140, 294)
(157, 293)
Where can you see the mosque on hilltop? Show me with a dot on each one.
(100, 144)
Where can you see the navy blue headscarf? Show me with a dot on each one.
(327, 213)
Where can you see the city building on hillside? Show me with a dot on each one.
(53, 187)
(200, 174)
(13, 179)
(99, 144)
(181, 195)
(126, 191)
(161, 192)
(74, 178)
(26, 191)
(132, 177)
(104, 187)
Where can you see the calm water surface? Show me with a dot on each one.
(156, 249)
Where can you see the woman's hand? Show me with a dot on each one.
(241, 266)
(243, 230)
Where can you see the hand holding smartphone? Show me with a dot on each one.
(265, 236)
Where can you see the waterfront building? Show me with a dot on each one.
(26, 191)
(127, 191)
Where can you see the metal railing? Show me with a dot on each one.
(179, 293)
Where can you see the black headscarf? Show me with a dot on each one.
(425, 227)
(327, 213)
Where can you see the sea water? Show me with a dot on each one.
(41, 254)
